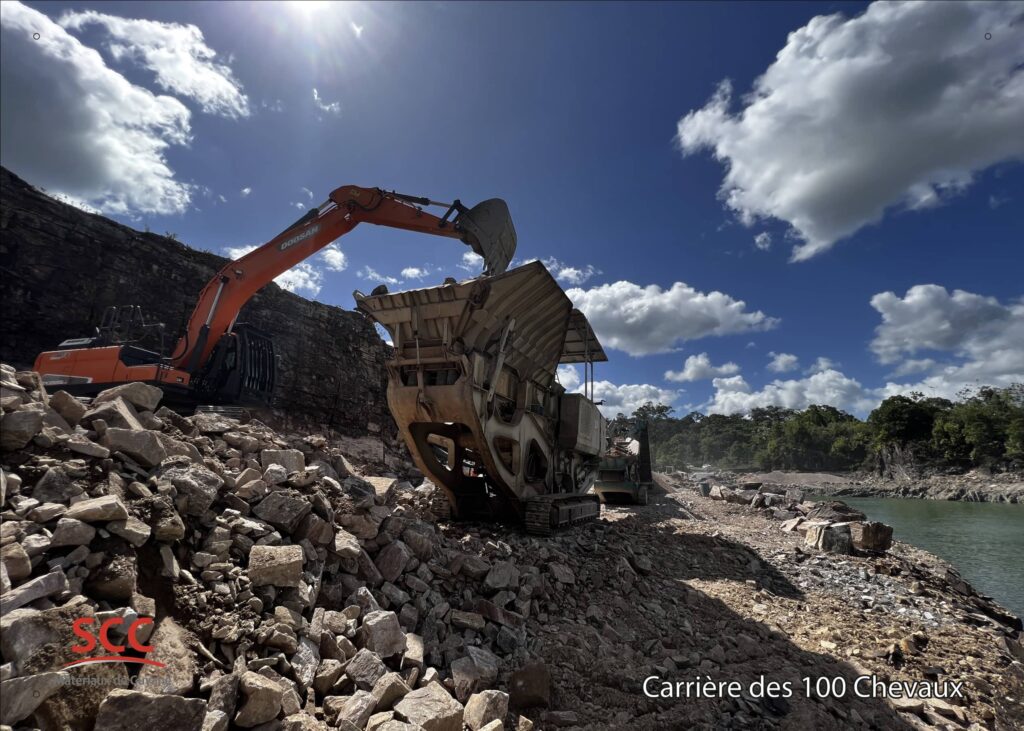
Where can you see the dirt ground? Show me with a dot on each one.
(688, 588)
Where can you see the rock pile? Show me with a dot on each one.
(830, 526)
(277, 588)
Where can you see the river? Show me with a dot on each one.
(984, 541)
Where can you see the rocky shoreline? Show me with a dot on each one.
(973, 486)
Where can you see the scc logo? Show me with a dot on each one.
(79, 627)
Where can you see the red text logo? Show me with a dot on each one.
(81, 629)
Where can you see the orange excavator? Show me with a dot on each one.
(220, 361)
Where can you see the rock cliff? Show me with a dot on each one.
(62, 267)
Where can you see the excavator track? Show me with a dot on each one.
(547, 514)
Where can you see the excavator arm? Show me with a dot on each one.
(486, 228)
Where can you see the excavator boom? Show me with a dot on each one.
(218, 360)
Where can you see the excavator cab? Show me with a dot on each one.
(489, 232)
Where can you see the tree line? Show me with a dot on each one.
(983, 427)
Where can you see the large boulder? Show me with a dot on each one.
(98, 510)
(291, 459)
(132, 710)
(831, 537)
(18, 428)
(430, 708)
(382, 633)
(834, 511)
(140, 395)
(871, 536)
(262, 700)
(484, 707)
(275, 565)
(142, 446)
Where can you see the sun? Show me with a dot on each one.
(307, 8)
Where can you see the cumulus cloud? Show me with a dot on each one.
(415, 272)
(625, 398)
(980, 340)
(735, 396)
(303, 278)
(329, 107)
(763, 241)
(913, 365)
(245, 192)
(645, 320)
(783, 362)
(472, 262)
(334, 258)
(80, 129)
(176, 54)
(901, 105)
(368, 272)
(822, 364)
(307, 191)
(568, 274)
(971, 340)
(699, 368)
(569, 377)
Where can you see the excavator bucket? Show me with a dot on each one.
(490, 233)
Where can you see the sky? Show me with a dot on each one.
(754, 203)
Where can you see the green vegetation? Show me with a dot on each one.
(982, 428)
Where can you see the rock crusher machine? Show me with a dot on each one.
(473, 388)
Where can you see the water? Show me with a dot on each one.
(984, 541)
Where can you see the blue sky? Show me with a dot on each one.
(689, 217)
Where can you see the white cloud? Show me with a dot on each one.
(245, 192)
(627, 398)
(357, 30)
(222, 199)
(981, 338)
(274, 106)
(699, 368)
(645, 320)
(329, 107)
(307, 191)
(568, 274)
(822, 364)
(782, 362)
(80, 129)
(370, 273)
(300, 205)
(569, 377)
(735, 396)
(301, 278)
(415, 272)
(617, 398)
(976, 341)
(334, 258)
(472, 262)
(913, 366)
(177, 54)
(903, 104)
(763, 241)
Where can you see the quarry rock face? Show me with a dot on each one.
(64, 267)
